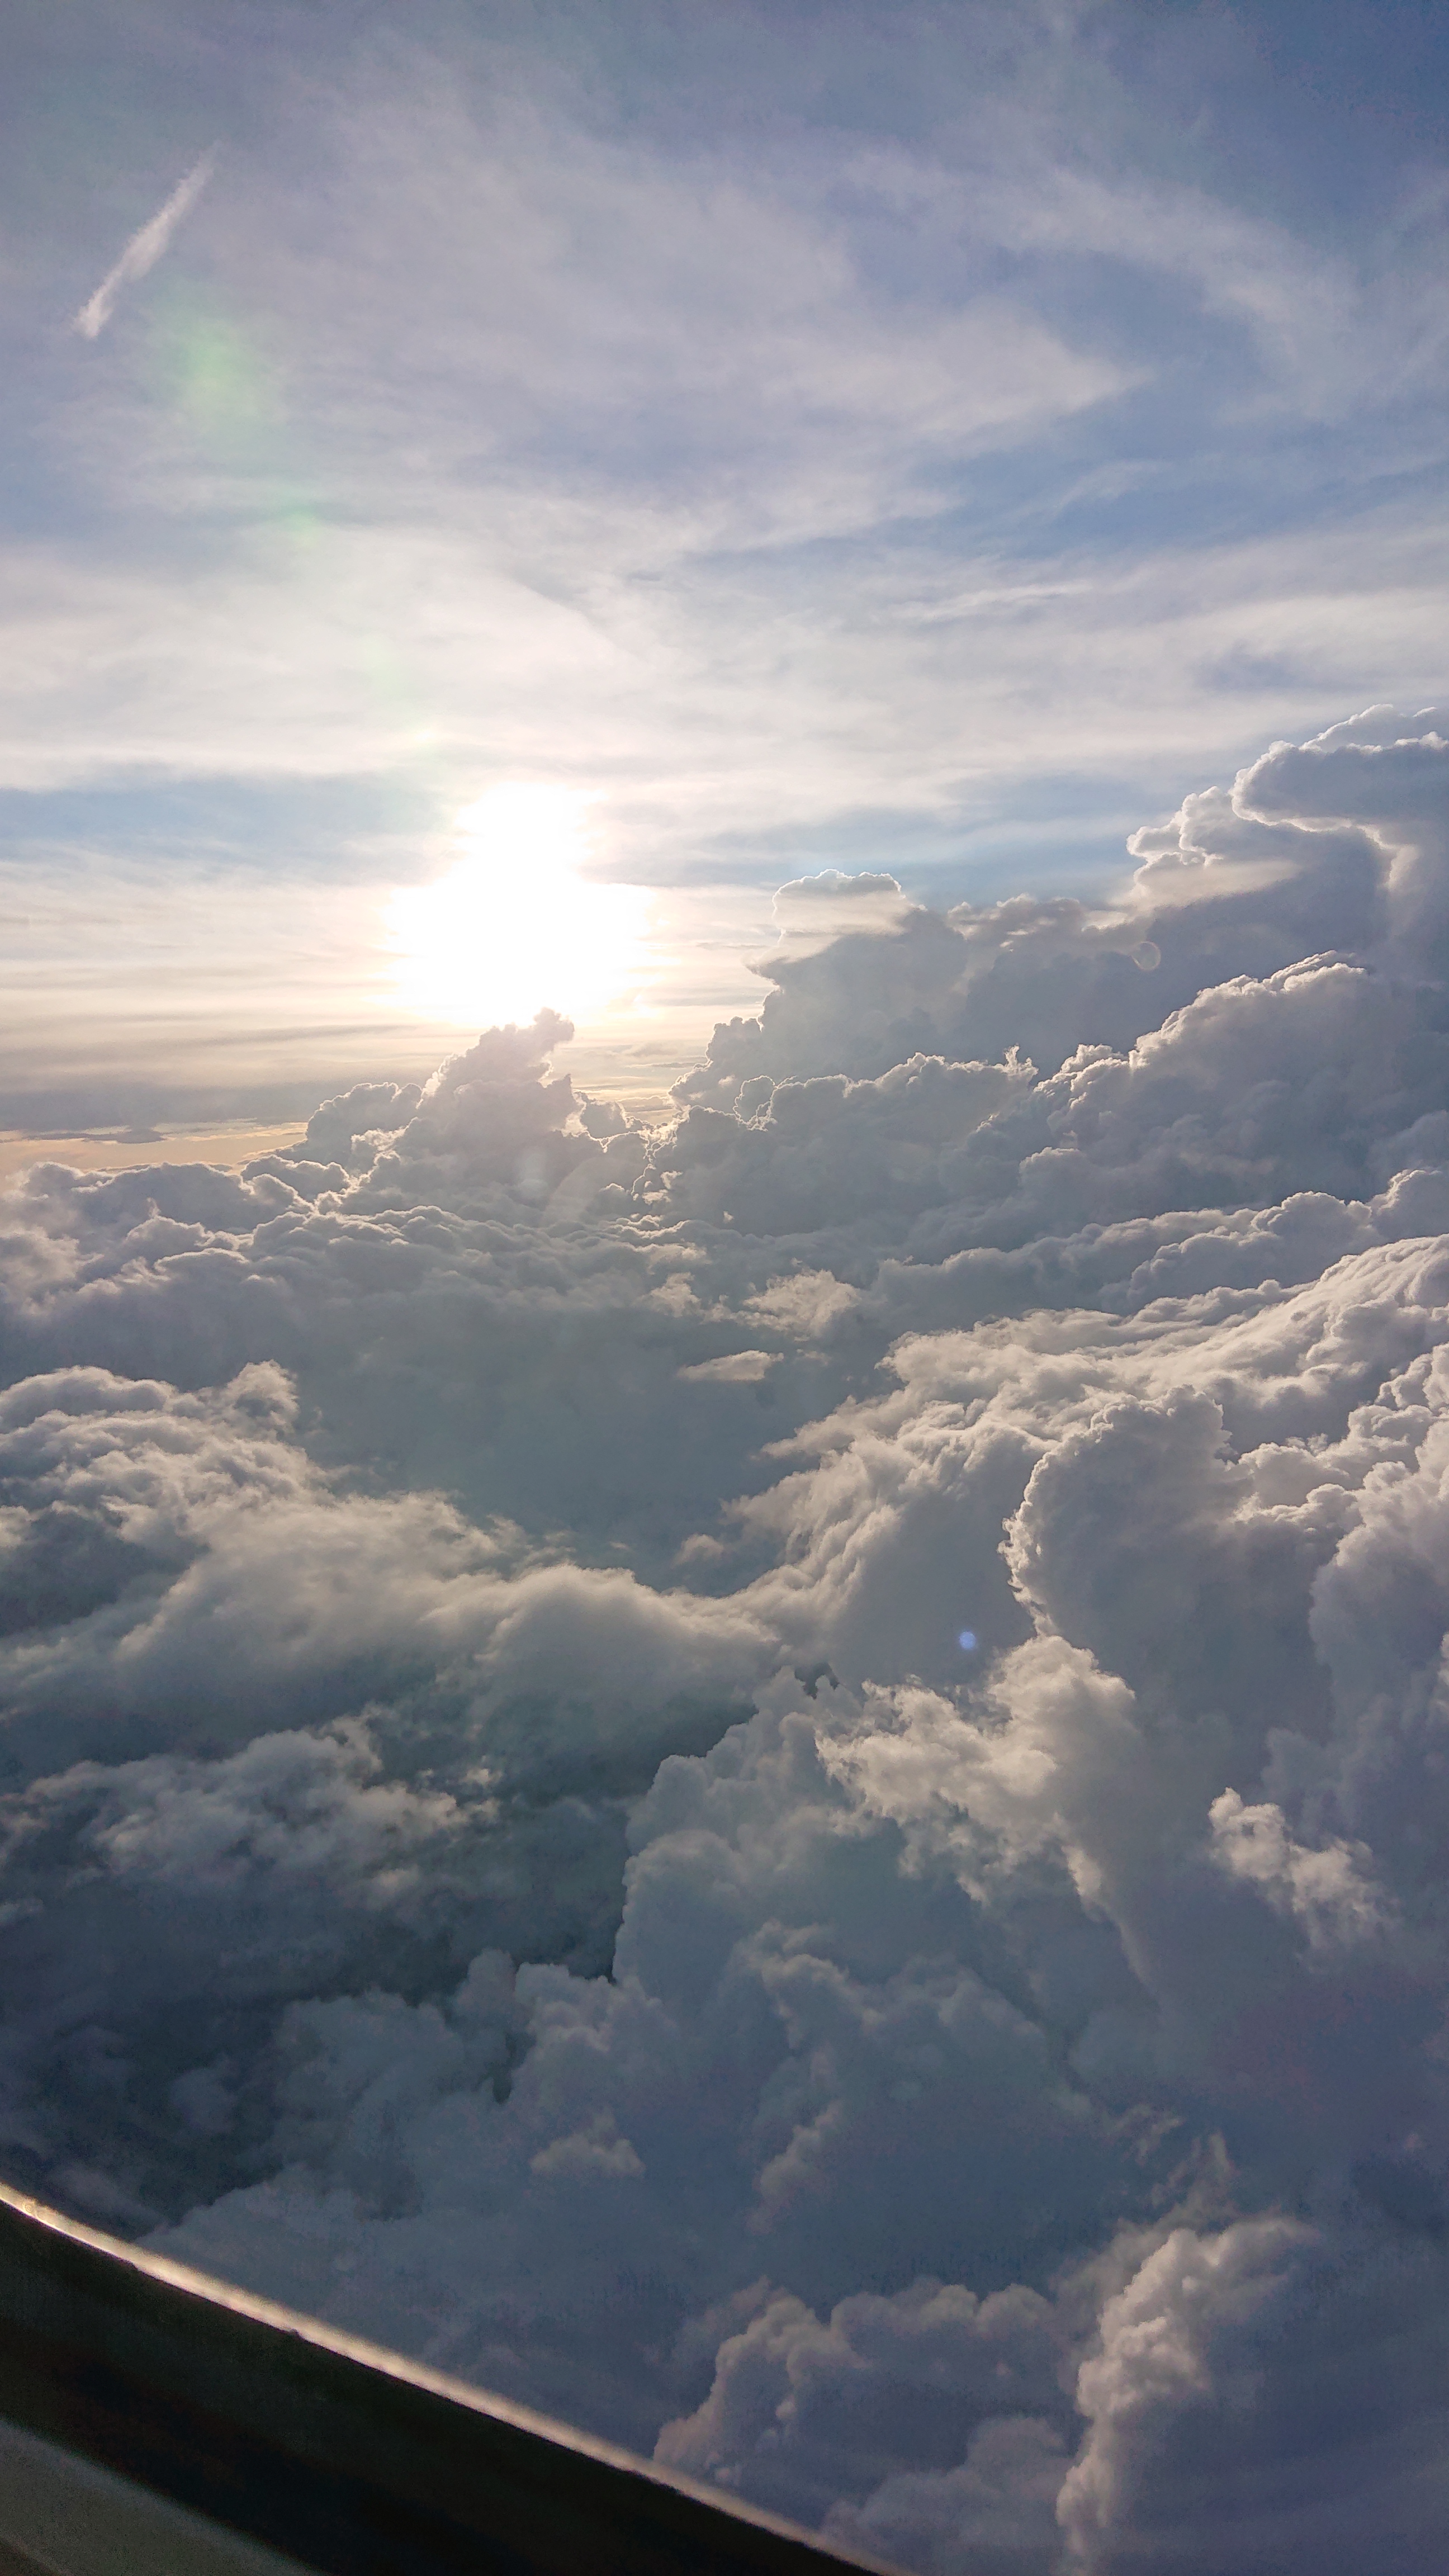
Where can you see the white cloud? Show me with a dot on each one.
(508, 1841)
(1325, 1888)
(518, 441)
(144, 249)
(1191, 2385)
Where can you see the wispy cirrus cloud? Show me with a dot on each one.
(144, 249)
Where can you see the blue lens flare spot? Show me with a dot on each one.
(967, 1641)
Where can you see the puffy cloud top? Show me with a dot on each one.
(783, 1782)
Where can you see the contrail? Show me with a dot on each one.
(144, 249)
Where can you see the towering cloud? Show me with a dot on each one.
(784, 1783)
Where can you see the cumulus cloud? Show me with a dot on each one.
(780, 1782)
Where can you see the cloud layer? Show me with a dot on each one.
(782, 1782)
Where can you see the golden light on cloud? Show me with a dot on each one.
(515, 924)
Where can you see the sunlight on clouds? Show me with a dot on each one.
(515, 925)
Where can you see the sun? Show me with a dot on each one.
(516, 924)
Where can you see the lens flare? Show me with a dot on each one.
(515, 925)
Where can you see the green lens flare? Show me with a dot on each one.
(216, 376)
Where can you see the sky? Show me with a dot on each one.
(724, 1266)
(848, 436)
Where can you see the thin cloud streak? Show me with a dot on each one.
(144, 249)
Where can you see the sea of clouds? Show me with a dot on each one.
(782, 1783)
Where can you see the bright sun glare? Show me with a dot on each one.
(515, 924)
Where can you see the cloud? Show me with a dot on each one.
(504, 1841)
(1184, 2398)
(880, 2380)
(608, 491)
(144, 249)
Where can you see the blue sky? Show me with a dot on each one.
(875, 437)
